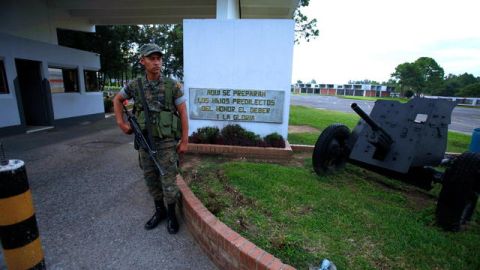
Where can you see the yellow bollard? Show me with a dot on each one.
(18, 226)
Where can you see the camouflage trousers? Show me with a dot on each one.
(161, 187)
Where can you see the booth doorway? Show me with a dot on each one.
(35, 107)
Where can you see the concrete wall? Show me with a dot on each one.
(239, 54)
(74, 104)
(33, 19)
(77, 104)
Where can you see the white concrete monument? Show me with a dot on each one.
(238, 72)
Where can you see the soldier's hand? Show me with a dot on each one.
(182, 147)
(126, 128)
(178, 85)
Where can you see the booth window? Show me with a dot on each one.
(63, 80)
(91, 80)
(3, 79)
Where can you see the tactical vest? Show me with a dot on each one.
(165, 123)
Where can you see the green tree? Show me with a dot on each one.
(432, 74)
(471, 90)
(117, 48)
(409, 93)
(409, 77)
(114, 44)
(170, 37)
(365, 81)
(304, 27)
(422, 76)
(466, 79)
(452, 84)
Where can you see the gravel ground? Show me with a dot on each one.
(91, 202)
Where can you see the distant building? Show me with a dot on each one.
(362, 90)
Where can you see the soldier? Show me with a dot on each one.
(167, 122)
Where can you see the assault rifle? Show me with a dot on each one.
(140, 139)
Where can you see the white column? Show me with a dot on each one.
(228, 9)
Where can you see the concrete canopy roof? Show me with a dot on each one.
(267, 9)
(118, 12)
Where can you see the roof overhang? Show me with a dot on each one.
(267, 9)
(128, 12)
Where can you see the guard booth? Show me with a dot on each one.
(33, 94)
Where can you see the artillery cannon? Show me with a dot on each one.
(406, 141)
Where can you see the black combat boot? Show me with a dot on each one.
(172, 223)
(160, 214)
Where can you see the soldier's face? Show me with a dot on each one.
(152, 63)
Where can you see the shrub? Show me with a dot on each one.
(235, 135)
(232, 132)
(249, 138)
(205, 135)
(409, 93)
(108, 104)
(274, 140)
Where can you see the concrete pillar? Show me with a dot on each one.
(228, 9)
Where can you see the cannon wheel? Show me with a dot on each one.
(331, 149)
(459, 194)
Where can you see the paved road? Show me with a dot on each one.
(464, 120)
(91, 202)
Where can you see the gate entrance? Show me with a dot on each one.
(33, 94)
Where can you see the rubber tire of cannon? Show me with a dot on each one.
(331, 150)
(459, 194)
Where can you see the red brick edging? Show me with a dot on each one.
(225, 247)
(242, 151)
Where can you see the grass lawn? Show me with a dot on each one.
(320, 119)
(403, 100)
(356, 218)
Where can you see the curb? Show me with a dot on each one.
(302, 148)
(225, 247)
(242, 151)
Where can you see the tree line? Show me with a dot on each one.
(426, 77)
(118, 44)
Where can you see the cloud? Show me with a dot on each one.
(368, 39)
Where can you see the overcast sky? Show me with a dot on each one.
(367, 39)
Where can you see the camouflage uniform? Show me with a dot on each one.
(160, 187)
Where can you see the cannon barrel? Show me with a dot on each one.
(365, 117)
(379, 138)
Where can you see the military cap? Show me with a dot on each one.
(147, 49)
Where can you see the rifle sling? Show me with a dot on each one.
(147, 115)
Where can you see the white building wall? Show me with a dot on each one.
(67, 105)
(8, 111)
(78, 104)
(9, 114)
(239, 54)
